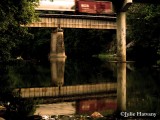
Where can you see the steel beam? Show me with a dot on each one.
(91, 22)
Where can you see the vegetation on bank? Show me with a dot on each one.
(13, 14)
(144, 25)
(108, 57)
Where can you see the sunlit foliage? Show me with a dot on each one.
(14, 13)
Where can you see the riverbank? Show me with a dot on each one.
(108, 57)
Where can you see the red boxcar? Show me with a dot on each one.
(94, 7)
(56, 5)
(86, 6)
(104, 7)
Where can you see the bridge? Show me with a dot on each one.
(89, 22)
(75, 21)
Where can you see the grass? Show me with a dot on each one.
(108, 57)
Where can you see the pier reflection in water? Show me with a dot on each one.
(57, 71)
(121, 87)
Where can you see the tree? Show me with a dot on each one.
(14, 13)
(80, 42)
(36, 47)
(144, 25)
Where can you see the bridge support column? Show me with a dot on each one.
(121, 36)
(57, 44)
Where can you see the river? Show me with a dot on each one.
(81, 87)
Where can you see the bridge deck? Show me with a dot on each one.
(75, 21)
(93, 17)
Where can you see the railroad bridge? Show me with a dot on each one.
(57, 21)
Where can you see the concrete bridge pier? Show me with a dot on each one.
(57, 58)
(57, 44)
(121, 29)
(121, 36)
(121, 55)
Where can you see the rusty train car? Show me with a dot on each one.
(76, 6)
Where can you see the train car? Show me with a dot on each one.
(94, 7)
(56, 5)
(104, 7)
(86, 6)
(76, 6)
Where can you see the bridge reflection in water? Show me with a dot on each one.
(107, 97)
(57, 77)
(68, 90)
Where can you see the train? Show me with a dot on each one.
(76, 6)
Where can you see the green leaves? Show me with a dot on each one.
(144, 24)
(13, 13)
(86, 42)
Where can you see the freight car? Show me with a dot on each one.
(56, 5)
(76, 6)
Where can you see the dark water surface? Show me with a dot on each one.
(74, 87)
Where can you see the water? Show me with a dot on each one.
(79, 88)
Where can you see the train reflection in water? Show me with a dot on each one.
(105, 106)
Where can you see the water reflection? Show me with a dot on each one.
(89, 102)
(103, 105)
(59, 108)
(57, 71)
(121, 86)
(83, 87)
(84, 98)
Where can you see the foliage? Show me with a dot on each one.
(144, 24)
(13, 14)
(143, 89)
(36, 47)
(15, 76)
(87, 71)
(79, 42)
(16, 106)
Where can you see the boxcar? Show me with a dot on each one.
(86, 6)
(76, 6)
(56, 5)
(104, 7)
(94, 7)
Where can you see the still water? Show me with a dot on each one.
(74, 87)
